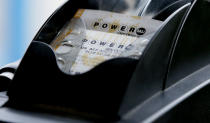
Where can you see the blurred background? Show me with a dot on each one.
(20, 20)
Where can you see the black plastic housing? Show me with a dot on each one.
(113, 88)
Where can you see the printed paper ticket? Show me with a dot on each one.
(105, 35)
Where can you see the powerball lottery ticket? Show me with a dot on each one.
(100, 36)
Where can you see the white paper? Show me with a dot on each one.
(106, 35)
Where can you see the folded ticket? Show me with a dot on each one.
(94, 36)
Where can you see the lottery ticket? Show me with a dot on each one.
(94, 36)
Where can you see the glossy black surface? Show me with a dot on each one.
(169, 83)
